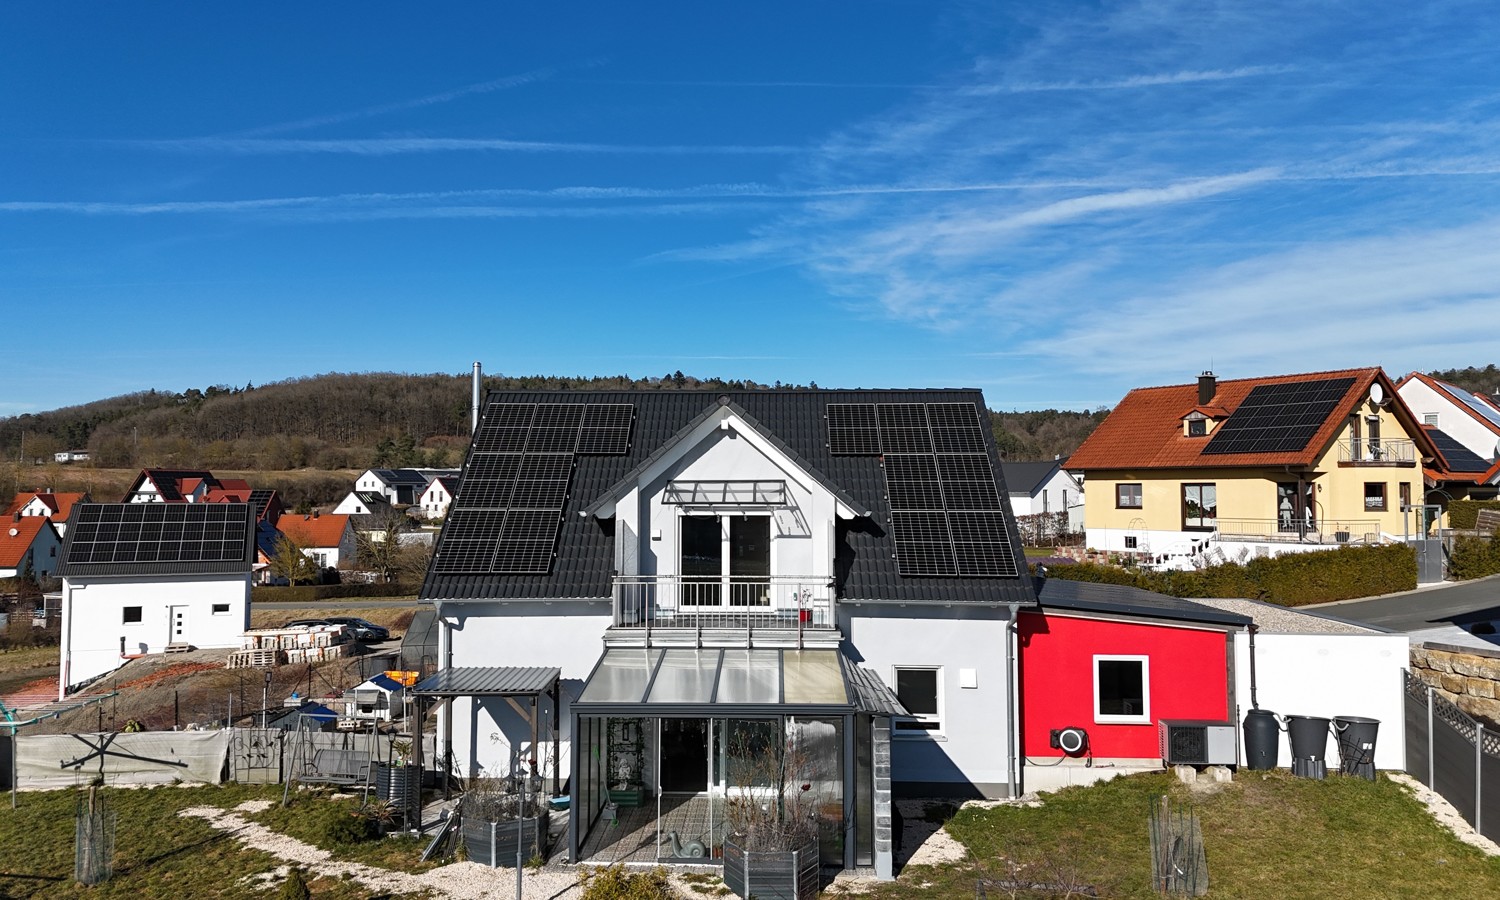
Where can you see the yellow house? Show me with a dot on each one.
(1255, 466)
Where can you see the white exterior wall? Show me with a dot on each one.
(351, 505)
(1456, 421)
(974, 744)
(93, 611)
(567, 634)
(1328, 675)
(435, 501)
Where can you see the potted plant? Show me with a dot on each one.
(771, 849)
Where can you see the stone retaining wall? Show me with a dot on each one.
(1469, 677)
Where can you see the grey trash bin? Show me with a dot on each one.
(1356, 736)
(1309, 738)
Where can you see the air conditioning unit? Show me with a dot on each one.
(1197, 742)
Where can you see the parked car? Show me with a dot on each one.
(362, 629)
(308, 623)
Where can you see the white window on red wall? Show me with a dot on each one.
(1122, 689)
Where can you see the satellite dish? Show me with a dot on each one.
(1377, 394)
(14, 532)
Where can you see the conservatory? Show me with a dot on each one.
(668, 742)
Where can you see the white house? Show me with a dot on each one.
(28, 544)
(401, 486)
(1045, 487)
(362, 503)
(70, 456)
(140, 578)
(709, 571)
(1465, 427)
(380, 698)
(438, 496)
(50, 505)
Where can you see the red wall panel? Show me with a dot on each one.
(1188, 680)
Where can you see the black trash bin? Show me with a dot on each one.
(1357, 745)
(1309, 737)
(1262, 739)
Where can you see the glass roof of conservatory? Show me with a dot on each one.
(682, 680)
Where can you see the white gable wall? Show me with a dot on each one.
(1455, 420)
(93, 618)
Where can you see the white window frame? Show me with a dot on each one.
(1144, 718)
(141, 610)
(898, 730)
(215, 610)
(723, 517)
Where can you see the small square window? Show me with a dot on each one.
(1197, 427)
(919, 690)
(1430, 419)
(1128, 496)
(1132, 542)
(221, 609)
(132, 615)
(1375, 496)
(1122, 689)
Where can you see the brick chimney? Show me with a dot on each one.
(1208, 385)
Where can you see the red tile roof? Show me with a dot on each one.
(17, 536)
(60, 504)
(1145, 430)
(314, 531)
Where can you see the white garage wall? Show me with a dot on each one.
(1329, 675)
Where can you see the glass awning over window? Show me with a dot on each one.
(737, 494)
(635, 681)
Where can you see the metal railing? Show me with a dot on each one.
(1290, 529)
(733, 601)
(1381, 452)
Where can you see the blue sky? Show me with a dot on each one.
(1054, 202)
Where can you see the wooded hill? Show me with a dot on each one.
(349, 421)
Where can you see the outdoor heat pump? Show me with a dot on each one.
(1197, 742)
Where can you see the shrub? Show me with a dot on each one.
(295, 886)
(310, 592)
(615, 883)
(339, 825)
(1475, 557)
(1464, 514)
(1293, 579)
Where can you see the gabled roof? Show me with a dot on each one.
(1027, 477)
(60, 503)
(1455, 457)
(313, 531)
(795, 421)
(1478, 407)
(400, 476)
(1145, 430)
(168, 482)
(448, 483)
(17, 536)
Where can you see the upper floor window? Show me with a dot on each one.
(1200, 506)
(1128, 496)
(725, 554)
(1375, 496)
(1197, 427)
(1430, 419)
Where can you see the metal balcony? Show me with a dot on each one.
(1377, 453)
(733, 610)
(1291, 530)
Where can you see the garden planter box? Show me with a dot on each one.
(771, 874)
(401, 786)
(494, 843)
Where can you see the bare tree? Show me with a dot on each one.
(380, 548)
(291, 563)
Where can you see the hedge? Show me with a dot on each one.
(305, 593)
(1464, 514)
(1293, 579)
(1474, 557)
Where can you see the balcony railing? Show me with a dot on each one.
(794, 603)
(1377, 453)
(1290, 529)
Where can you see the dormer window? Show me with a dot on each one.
(1196, 424)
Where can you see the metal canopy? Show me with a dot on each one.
(725, 493)
(488, 681)
(684, 681)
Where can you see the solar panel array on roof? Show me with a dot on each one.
(946, 515)
(1279, 418)
(158, 532)
(1468, 399)
(1458, 457)
(509, 506)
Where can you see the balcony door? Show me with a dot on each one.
(725, 556)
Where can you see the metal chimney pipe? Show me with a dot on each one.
(474, 409)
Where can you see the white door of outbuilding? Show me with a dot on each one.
(178, 621)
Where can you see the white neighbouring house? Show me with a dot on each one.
(400, 486)
(142, 578)
(836, 570)
(327, 540)
(1465, 426)
(439, 495)
(1045, 487)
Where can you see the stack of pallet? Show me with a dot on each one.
(265, 647)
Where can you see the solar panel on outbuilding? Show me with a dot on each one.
(1279, 418)
(159, 532)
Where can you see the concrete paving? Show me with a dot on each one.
(1427, 607)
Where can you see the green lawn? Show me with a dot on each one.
(1266, 835)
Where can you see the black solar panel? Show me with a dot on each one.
(1458, 457)
(853, 429)
(606, 429)
(1279, 418)
(159, 532)
(508, 510)
(947, 518)
(903, 428)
